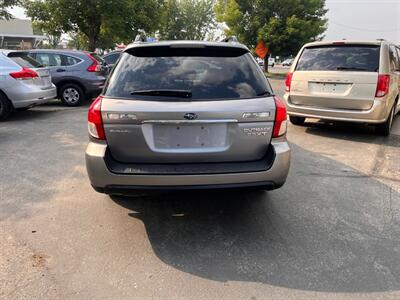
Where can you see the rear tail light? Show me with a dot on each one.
(288, 81)
(25, 73)
(382, 87)
(95, 66)
(280, 125)
(95, 121)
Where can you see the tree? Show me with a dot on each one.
(283, 25)
(99, 21)
(4, 4)
(43, 22)
(187, 19)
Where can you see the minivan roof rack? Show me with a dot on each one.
(230, 39)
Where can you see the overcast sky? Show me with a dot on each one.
(352, 19)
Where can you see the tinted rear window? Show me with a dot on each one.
(24, 60)
(340, 58)
(207, 77)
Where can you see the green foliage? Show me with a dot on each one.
(100, 21)
(187, 19)
(284, 25)
(4, 4)
(43, 21)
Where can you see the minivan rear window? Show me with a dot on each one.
(203, 77)
(340, 58)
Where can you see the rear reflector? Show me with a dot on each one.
(25, 73)
(95, 121)
(280, 125)
(288, 81)
(382, 88)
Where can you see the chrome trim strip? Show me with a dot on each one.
(190, 121)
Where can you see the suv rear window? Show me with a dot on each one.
(340, 58)
(206, 77)
(24, 60)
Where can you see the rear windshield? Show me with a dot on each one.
(205, 77)
(24, 60)
(340, 58)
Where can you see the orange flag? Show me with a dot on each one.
(261, 49)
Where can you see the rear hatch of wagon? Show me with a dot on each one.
(187, 104)
(338, 76)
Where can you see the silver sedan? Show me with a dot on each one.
(24, 83)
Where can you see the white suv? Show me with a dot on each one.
(355, 81)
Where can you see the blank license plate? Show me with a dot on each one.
(329, 87)
(184, 136)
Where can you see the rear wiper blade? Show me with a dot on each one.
(164, 92)
(265, 93)
(350, 69)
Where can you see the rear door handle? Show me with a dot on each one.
(60, 70)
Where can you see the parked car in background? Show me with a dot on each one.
(356, 81)
(78, 75)
(112, 57)
(169, 118)
(287, 62)
(24, 82)
(271, 62)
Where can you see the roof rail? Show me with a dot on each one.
(230, 39)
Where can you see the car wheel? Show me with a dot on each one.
(5, 107)
(297, 120)
(72, 95)
(384, 128)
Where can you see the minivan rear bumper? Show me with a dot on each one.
(378, 113)
(103, 180)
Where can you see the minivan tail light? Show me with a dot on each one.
(280, 125)
(95, 121)
(95, 66)
(25, 73)
(382, 87)
(288, 81)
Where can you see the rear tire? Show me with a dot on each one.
(384, 128)
(297, 120)
(5, 107)
(72, 95)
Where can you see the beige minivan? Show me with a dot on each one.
(356, 81)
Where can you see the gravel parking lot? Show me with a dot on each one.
(332, 232)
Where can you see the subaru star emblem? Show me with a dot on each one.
(190, 116)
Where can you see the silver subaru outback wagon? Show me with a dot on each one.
(187, 115)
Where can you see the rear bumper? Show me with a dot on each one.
(103, 180)
(24, 97)
(378, 113)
